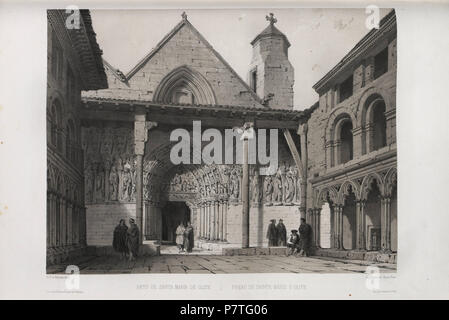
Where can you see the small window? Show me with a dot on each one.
(381, 63)
(254, 80)
(346, 88)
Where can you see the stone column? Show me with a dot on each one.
(141, 127)
(361, 227)
(62, 222)
(247, 134)
(202, 219)
(390, 116)
(208, 237)
(48, 219)
(225, 220)
(369, 136)
(329, 150)
(213, 219)
(69, 223)
(83, 240)
(217, 220)
(220, 219)
(302, 131)
(338, 227)
(318, 227)
(336, 152)
(358, 142)
(386, 224)
(75, 227)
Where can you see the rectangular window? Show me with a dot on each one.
(253, 81)
(346, 88)
(381, 63)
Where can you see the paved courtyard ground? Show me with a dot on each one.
(214, 264)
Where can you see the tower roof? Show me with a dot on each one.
(271, 30)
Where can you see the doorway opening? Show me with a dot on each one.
(173, 214)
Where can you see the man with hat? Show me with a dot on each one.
(272, 233)
(133, 239)
(305, 237)
(281, 234)
(293, 242)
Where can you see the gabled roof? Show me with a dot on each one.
(116, 72)
(185, 23)
(82, 47)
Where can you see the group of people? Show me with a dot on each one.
(297, 243)
(184, 237)
(126, 240)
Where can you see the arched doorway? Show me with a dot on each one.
(173, 213)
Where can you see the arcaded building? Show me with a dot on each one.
(74, 64)
(351, 148)
(336, 160)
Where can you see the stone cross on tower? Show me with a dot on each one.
(271, 18)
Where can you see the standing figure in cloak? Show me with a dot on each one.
(305, 238)
(281, 234)
(180, 237)
(133, 239)
(188, 237)
(119, 240)
(272, 234)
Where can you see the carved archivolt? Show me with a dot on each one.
(110, 175)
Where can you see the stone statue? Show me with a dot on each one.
(268, 190)
(99, 184)
(235, 182)
(113, 184)
(88, 184)
(289, 187)
(255, 187)
(277, 188)
(127, 183)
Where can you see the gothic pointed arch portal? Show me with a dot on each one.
(184, 85)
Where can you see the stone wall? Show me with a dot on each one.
(101, 219)
(259, 220)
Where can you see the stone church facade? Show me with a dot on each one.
(337, 159)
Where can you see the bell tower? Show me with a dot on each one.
(271, 74)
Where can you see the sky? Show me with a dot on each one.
(319, 37)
